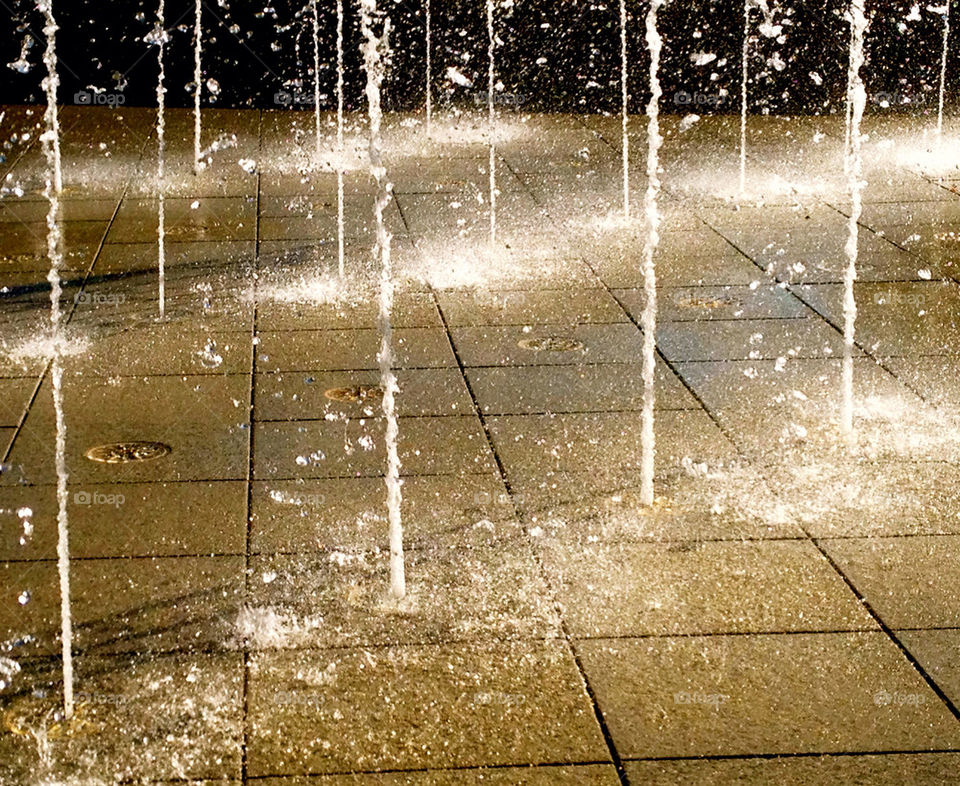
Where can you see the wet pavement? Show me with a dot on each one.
(786, 612)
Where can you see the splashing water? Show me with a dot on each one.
(649, 316)
(316, 76)
(197, 86)
(943, 64)
(625, 99)
(52, 191)
(341, 231)
(492, 119)
(374, 65)
(429, 75)
(858, 102)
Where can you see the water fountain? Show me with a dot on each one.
(158, 37)
(374, 48)
(943, 64)
(318, 133)
(858, 100)
(53, 189)
(744, 90)
(341, 231)
(652, 213)
(428, 40)
(492, 116)
(625, 108)
(197, 85)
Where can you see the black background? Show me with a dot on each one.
(579, 41)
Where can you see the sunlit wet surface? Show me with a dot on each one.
(784, 595)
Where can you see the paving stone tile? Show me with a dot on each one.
(317, 449)
(487, 707)
(693, 503)
(938, 652)
(886, 572)
(883, 770)
(523, 307)
(538, 445)
(202, 419)
(15, 396)
(335, 395)
(770, 694)
(765, 339)
(501, 346)
(335, 350)
(521, 390)
(656, 589)
(411, 310)
(341, 599)
(126, 605)
(588, 774)
(148, 718)
(348, 514)
(128, 520)
(696, 304)
(793, 382)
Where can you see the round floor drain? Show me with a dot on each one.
(706, 302)
(128, 452)
(355, 394)
(551, 344)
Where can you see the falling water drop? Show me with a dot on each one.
(854, 167)
(374, 66)
(649, 316)
(53, 188)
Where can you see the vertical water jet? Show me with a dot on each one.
(318, 137)
(648, 319)
(492, 118)
(625, 102)
(53, 187)
(854, 166)
(744, 97)
(197, 85)
(943, 64)
(340, 151)
(159, 38)
(429, 75)
(374, 52)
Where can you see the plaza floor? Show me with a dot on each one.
(787, 612)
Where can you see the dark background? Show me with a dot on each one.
(256, 49)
